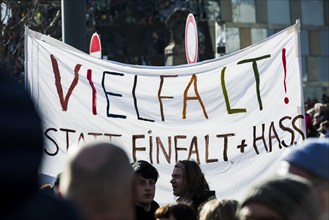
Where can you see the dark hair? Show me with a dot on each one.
(179, 210)
(194, 181)
(145, 169)
(183, 211)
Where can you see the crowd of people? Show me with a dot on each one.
(110, 187)
(317, 117)
(100, 183)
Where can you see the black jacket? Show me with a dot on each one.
(200, 199)
(141, 214)
(21, 150)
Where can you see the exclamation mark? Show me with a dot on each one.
(286, 99)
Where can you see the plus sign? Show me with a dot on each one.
(242, 145)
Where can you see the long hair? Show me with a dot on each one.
(194, 181)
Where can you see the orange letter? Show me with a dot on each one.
(197, 97)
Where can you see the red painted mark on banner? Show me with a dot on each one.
(286, 99)
(89, 77)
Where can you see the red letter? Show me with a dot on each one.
(89, 74)
(64, 100)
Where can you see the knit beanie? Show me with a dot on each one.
(313, 156)
(292, 197)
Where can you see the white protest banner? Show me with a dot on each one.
(235, 115)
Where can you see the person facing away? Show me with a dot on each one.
(190, 185)
(99, 180)
(175, 211)
(21, 141)
(146, 176)
(219, 209)
(163, 212)
(287, 197)
(310, 160)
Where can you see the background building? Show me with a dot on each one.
(151, 32)
(250, 21)
(139, 31)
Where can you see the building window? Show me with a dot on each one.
(323, 68)
(315, 47)
(258, 34)
(312, 12)
(232, 39)
(244, 11)
(245, 37)
(324, 36)
(312, 69)
(278, 12)
(304, 43)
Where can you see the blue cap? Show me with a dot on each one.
(312, 155)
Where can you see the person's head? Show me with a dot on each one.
(99, 180)
(219, 209)
(311, 160)
(182, 211)
(163, 212)
(175, 211)
(21, 140)
(188, 180)
(288, 197)
(146, 176)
